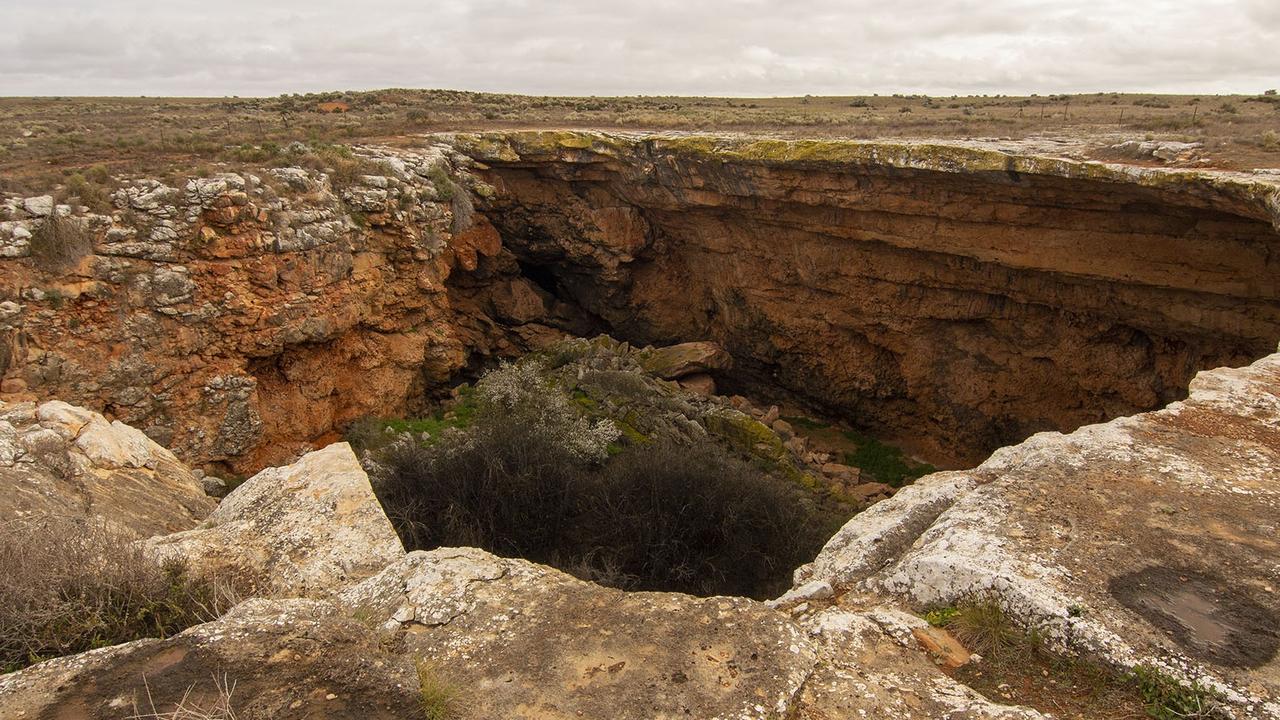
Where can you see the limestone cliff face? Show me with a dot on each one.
(959, 295)
(244, 317)
(963, 296)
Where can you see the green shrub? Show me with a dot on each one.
(71, 587)
(532, 478)
(1167, 699)
(59, 242)
(884, 463)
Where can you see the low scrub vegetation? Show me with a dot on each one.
(884, 463)
(70, 587)
(532, 476)
(1017, 667)
(59, 242)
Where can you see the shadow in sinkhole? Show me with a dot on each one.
(578, 459)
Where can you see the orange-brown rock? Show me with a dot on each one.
(962, 296)
(243, 319)
(958, 296)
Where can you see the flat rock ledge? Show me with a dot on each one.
(1147, 540)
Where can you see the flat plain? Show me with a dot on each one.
(45, 140)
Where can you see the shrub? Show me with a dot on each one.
(1167, 699)
(692, 518)
(59, 242)
(533, 478)
(440, 699)
(90, 193)
(71, 587)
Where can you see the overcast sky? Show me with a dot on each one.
(609, 47)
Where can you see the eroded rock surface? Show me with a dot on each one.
(1146, 540)
(533, 642)
(304, 530)
(963, 295)
(243, 318)
(61, 460)
(275, 658)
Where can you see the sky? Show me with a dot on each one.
(650, 47)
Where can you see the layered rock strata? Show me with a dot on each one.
(961, 296)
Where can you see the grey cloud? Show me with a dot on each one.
(729, 47)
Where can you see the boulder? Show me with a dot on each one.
(214, 487)
(265, 658)
(699, 384)
(518, 301)
(307, 529)
(59, 459)
(532, 642)
(676, 361)
(871, 491)
(784, 429)
(1147, 540)
(840, 471)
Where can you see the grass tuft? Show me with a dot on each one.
(440, 699)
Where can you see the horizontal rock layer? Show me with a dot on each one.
(958, 295)
(244, 318)
(961, 296)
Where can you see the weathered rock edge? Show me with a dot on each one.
(1048, 526)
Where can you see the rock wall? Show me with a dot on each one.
(963, 296)
(242, 318)
(960, 296)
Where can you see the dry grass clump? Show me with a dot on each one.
(59, 242)
(75, 586)
(440, 699)
(187, 707)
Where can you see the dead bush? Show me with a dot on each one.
(75, 586)
(59, 242)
